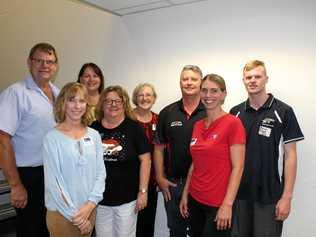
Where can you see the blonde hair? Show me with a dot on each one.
(253, 64)
(139, 87)
(128, 111)
(67, 92)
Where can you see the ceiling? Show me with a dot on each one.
(128, 7)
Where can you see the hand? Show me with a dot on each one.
(164, 187)
(141, 201)
(85, 227)
(184, 206)
(18, 196)
(224, 217)
(282, 209)
(83, 213)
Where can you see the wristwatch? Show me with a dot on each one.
(143, 190)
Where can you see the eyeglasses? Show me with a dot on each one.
(40, 61)
(141, 96)
(110, 102)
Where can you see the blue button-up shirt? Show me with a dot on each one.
(27, 115)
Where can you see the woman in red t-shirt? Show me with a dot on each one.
(218, 150)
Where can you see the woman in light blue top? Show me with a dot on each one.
(73, 166)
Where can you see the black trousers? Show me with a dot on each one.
(253, 219)
(31, 220)
(146, 217)
(201, 218)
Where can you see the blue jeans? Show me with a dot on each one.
(178, 226)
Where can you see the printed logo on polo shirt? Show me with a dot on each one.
(269, 122)
(176, 124)
(213, 136)
(266, 127)
(210, 136)
(193, 141)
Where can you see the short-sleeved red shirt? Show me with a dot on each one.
(210, 150)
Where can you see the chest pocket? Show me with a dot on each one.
(270, 124)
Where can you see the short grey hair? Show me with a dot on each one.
(192, 68)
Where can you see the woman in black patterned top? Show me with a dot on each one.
(126, 154)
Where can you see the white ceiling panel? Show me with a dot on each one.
(177, 2)
(142, 8)
(126, 7)
(118, 4)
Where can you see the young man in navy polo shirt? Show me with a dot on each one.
(174, 131)
(266, 189)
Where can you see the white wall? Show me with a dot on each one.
(80, 33)
(221, 36)
(218, 36)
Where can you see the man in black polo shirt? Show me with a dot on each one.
(266, 189)
(174, 130)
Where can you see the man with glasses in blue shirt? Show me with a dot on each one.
(26, 116)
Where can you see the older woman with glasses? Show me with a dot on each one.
(144, 97)
(126, 154)
(73, 166)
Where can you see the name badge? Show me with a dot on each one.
(176, 124)
(153, 127)
(87, 141)
(264, 131)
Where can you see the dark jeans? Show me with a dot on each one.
(146, 217)
(253, 219)
(202, 220)
(31, 220)
(178, 226)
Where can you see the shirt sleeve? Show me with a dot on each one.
(237, 134)
(292, 131)
(142, 143)
(55, 186)
(97, 192)
(159, 135)
(11, 113)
